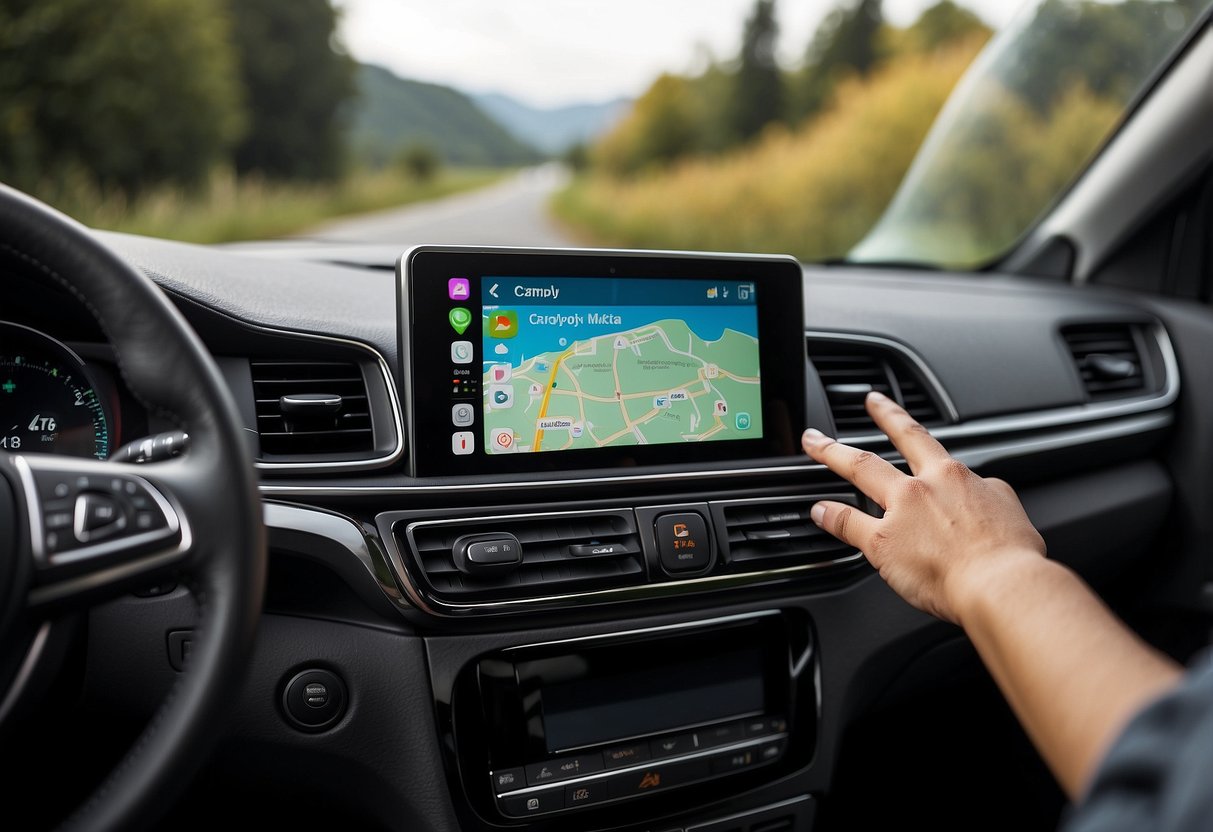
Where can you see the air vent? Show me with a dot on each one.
(1108, 358)
(851, 369)
(311, 408)
(560, 553)
(770, 534)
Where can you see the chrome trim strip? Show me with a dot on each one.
(25, 671)
(992, 427)
(443, 608)
(393, 399)
(662, 761)
(950, 411)
(719, 621)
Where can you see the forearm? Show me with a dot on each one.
(1074, 674)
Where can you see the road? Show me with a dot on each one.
(510, 213)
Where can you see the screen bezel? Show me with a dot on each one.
(422, 279)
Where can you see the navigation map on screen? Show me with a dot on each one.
(572, 363)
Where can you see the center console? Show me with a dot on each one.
(636, 723)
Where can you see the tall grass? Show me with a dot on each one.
(228, 208)
(813, 191)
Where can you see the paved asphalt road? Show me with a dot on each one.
(513, 213)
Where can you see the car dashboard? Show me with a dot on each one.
(598, 681)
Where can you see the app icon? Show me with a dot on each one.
(503, 323)
(711, 371)
(463, 442)
(462, 415)
(458, 288)
(461, 352)
(460, 319)
(742, 420)
(720, 408)
(712, 292)
(501, 396)
(499, 373)
(577, 430)
(661, 402)
(745, 291)
(501, 440)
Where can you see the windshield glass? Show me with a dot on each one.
(1033, 110)
(743, 125)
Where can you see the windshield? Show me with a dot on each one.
(1028, 118)
(743, 125)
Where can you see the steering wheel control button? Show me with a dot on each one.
(682, 542)
(180, 642)
(480, 553)
(97, 515)
(314, 700)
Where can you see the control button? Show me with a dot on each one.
(462, 414)
(58, 520)
(656, 778)
(760, 726)
(682, 542)
(563, 769)
(96, 512)
(154, 590)
(734, 761)
(179, 644)
(673, 746)
(502, 550)
(314, 699)
(625, 755)
(590, 550)
(771, 751)
(532, 804)
(719, 735)
(508, 779)
(583, 794)
(479, 553)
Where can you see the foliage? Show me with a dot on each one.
(846, 43)
(812, 191)
(661, 127)
(942, 24)
(419, 162)
(229, 208)
(124, 94)
(296, 82)
(757, 94)
(391, 112)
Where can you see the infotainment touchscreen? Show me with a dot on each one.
(523, 360)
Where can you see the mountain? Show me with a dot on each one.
(391, 113)
(553, 130)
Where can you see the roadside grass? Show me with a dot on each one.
(811, 191)
(230, 209)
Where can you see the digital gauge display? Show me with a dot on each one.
(47, 403)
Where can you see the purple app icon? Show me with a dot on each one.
(458, 288)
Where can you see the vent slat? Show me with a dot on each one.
(1117, 341)
(348, 430)
(548, 566)
(840, 363)
(775, 535)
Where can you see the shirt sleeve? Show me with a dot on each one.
(1158, 775)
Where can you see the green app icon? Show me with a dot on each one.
(502, 323)
(460, 319)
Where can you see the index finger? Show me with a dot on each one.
(916, 444)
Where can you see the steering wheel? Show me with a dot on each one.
(197, 515)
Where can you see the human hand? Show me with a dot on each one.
(945, 529)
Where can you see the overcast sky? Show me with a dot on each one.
(554, 52)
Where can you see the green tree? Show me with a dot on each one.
(117, 95)
(298, 82)
(662, 126)
(757, 95)
(419, 161)
(942, 24)
(846, 43)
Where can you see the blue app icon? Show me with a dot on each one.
(742, 421)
